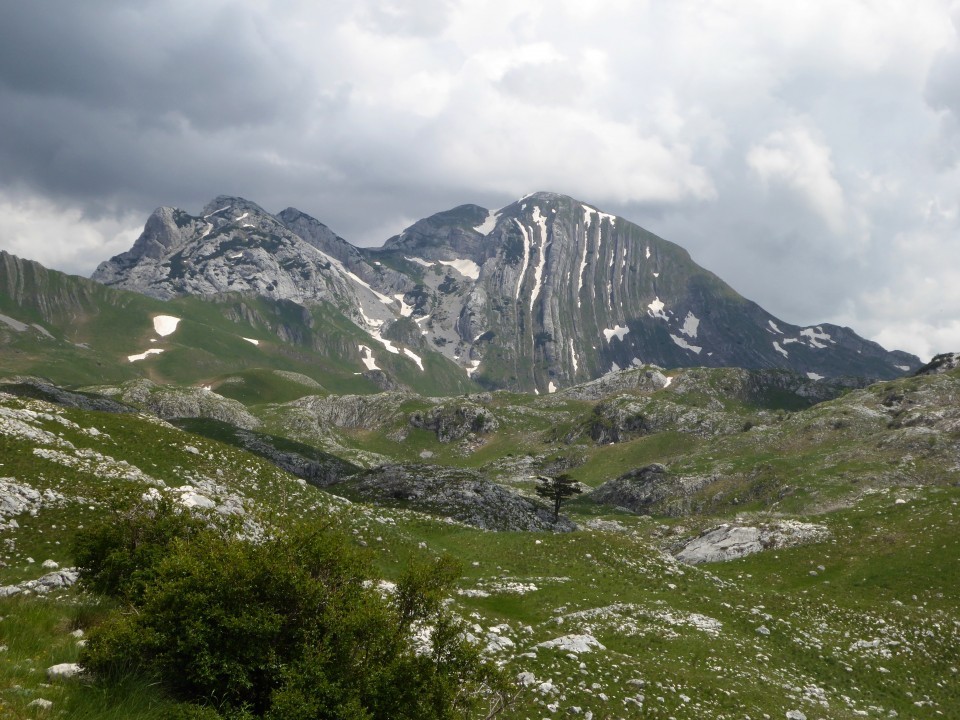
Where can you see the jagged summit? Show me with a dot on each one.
(537, 295)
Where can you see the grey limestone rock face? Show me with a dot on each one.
(366, 412)
(44, 390)
(542, 294)
(729, 542)
(943, 363)
(236, 246)
(618, 419)
(458, 494)
(317, 468)
(636, 490)
(168, 402)
(642, 380)
(454, 421)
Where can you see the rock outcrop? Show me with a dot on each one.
(459, 494)
(647, 489)
(729, 542)
(169, 402)
(454, 421)
(943, 363)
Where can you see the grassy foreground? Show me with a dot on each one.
(865, 622)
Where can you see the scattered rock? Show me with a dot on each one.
(63, 671)
(574, 643)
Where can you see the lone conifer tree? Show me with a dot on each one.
(558, 489)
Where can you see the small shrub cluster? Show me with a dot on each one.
(291, 627)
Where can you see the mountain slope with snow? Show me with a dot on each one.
(538, 295)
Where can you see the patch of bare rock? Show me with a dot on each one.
(729, 542)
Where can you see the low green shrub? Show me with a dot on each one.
(291, 627)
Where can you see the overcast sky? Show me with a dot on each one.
(807, 153)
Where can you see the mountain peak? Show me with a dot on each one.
(541, 294)
(223, 203)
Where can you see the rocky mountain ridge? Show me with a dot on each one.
(542, 294)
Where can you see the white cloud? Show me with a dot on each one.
(792, 148)
(795, 159)
(64, 238)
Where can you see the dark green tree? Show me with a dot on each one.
(557, 489)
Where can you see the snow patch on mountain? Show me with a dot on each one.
(419, 261)
(526, 258)
(413, 356)
(359, 281)
(542, 250)
(143, 355)
(587, 215)
(386, 343)
(684, 344)
(815, 336)
(366, 356)
(252, 341)
(217, 212)
(405, 310)
(773, 326)
(15, 324)
(690, 325)
(776, 346)
(617, 331)
(583, 266)
(165, 325)
(487, 226)
(656, 308)
(814, 376)
(467, 268)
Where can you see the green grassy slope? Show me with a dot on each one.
(864, 620)
(78, 332)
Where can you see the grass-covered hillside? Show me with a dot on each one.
(848, 609)
(81, 332)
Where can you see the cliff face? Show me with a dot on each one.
(539, 295)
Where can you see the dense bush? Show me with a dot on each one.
(287, 628)
(119, 555)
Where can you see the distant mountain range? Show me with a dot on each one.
(539, 295)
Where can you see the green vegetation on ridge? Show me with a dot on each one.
(861, 618)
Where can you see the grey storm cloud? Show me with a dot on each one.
(807, 155)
